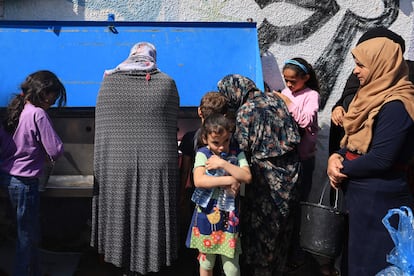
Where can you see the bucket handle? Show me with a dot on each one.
(323, 193)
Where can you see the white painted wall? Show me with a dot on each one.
(289, 16)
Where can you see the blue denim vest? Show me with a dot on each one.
(202, 196)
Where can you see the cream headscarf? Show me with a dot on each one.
(142, 57)
(387, 81)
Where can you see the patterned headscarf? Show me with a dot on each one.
(387, 81)
(264, 126)
(236, 88)
(142, 57)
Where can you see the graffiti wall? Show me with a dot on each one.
(322, 32)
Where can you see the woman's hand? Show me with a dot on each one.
(337, 115)
(334, 170)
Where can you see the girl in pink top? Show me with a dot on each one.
(301, 95)
(27, 138)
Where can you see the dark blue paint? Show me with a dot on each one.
(195, 54)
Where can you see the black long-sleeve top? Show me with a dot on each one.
(391, 146)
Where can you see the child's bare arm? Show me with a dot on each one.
(242, 174)
(202, 180)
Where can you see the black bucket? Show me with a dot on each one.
(322, 228)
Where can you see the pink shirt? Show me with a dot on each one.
(304, 109)
(24, 152)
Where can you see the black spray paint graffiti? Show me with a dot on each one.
(330, 62)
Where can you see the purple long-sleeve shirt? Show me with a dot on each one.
(304, 109)
(24, 152)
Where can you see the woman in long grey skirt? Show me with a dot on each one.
(134, 221)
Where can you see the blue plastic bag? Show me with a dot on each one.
(402, 255)
(391, 271)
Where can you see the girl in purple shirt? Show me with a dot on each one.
(27, 138)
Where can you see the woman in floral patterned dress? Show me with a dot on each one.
(269, 136)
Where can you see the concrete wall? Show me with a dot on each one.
(322, 31)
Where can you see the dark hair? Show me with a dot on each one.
(382, 32)
(217, 123)
(213, 102)
(34, 89)
(313, 81)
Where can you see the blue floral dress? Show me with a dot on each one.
(214, 231)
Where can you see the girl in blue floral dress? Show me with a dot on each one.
(214, 230)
